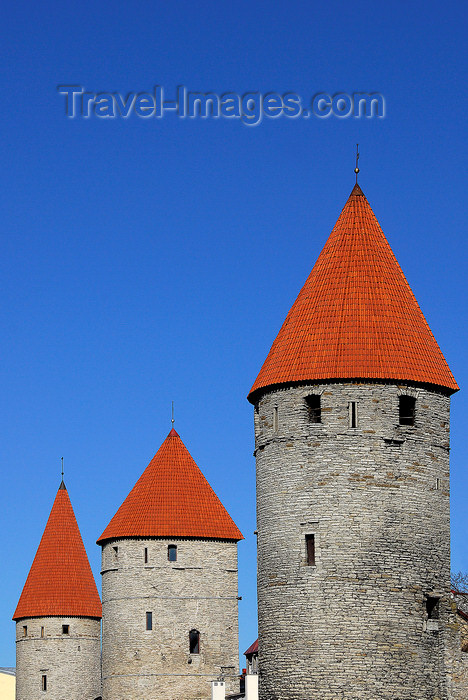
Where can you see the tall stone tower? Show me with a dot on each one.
(169, 585)
(58, 617)
(352, 452)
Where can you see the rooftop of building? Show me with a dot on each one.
(60, 581)
(172, 498)
(356, 316)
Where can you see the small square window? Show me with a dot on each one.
(172, 552)
(65, 629)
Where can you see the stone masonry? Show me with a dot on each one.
(196, 592)
(70, 662)
(354, 626)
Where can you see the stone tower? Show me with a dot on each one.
(352, 451)
(169, 585)
(58, 617)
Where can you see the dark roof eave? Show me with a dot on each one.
(255, 395)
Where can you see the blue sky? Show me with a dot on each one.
(150, 260)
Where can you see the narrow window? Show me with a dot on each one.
(116, 553)
(432, 608)
(172, 552)
(314, 408)
(275, 419)
(194, 641)
(65, 629)
(42, 632)
(149, 620)
(353, 414)
(437, 484)
(146, 555)
(310, 549)
(25, 630)
(44, 683)
(407, 409)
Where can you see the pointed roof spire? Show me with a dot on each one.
(356, 316)
(60, 581)
(172, 498)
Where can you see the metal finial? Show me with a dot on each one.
(173, 419)
(356, 169)
(62, 483)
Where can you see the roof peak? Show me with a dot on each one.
(356, 191)
(356, 316)
(172, 498)
(60, 581)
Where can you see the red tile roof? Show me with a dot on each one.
(253, 649)
(60, 582)
(172, 498)
(356, 316)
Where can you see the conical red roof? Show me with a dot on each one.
(60, 582)
(356, 316)
(172, 498)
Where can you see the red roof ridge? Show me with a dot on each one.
(356, 316)
(172, 498)
(60, 582)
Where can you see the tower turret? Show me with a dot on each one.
(352, 452)
(169, 585)
(58, 617)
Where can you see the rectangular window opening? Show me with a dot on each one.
(172, 552)
(314, 406)
(353, 417)
(65, 629)
(432, 607)
(406, 410)
(149, 621)
(42, 632)
(310, 549)
(44, 683)
(25, 630)
(194, 641)
(275, 419)
(146, 555)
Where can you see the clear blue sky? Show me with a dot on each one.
(144, 261)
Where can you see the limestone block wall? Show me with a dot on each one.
(196, 592)
(355, 625)
(70, 662)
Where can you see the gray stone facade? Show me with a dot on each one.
(70, 663)
(196, 592)
(372, 618)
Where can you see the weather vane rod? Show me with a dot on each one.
(62, 468)
(173, 419)
(356, 169)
